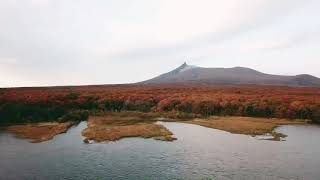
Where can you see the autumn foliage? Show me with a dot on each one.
(45, 104)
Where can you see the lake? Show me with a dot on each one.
(199, 153)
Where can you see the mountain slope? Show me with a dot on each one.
(231, 76)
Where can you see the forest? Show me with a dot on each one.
(23, 105)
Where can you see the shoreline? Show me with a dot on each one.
(247, 125)
(39, 132)
(116, 126)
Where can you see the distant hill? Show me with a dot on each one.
(185, 74)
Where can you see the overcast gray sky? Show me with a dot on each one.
(74, 42)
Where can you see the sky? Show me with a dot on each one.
(80, 42)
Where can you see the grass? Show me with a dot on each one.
(113, 133)
(39, 132)
(114, 127)
(149, 116)
(246, 125)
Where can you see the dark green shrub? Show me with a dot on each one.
(72, 96)
(78, 115)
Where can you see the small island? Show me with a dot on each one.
(39, 132)
(115, 126)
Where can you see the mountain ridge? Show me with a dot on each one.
(185, 74)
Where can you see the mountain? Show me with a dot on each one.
(185, 74)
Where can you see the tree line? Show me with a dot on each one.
(63, 104)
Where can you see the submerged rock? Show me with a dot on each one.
(86, 141)
(165, 138)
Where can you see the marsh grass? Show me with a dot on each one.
(39, 132)
(113, 133)
(115, 126)
(247, 125)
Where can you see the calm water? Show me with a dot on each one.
(199, 153)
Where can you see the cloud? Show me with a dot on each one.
(88, 41)
(283, 43)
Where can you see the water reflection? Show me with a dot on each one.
(198, 153)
